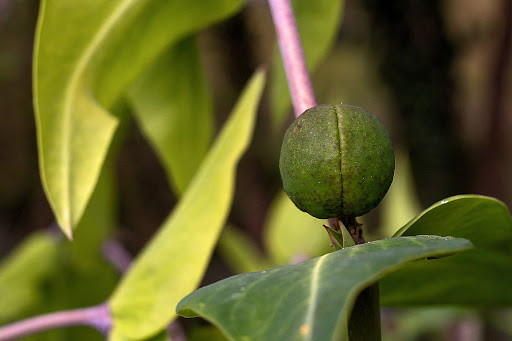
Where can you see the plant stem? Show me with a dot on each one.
(297, 73)
(116, 255)
(97, 317)
(364, 323)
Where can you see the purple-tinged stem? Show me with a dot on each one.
(116, 255)
(297, 74)
(295, 66)
(97, 317)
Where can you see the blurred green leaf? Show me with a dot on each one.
(98, 222)
(475, 278)
(86, 55)
(311, 300)
(115, 335)
(291, 234)
(23, 272)
(320, 18)
(173, 106)
(423, 323)
(173, 263)
(240, 252)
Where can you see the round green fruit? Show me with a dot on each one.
(336, 160)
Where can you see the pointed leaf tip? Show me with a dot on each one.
(334, 242)
(76, 93)
(68, 232)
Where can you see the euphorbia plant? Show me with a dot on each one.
(128, 55)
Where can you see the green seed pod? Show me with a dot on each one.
(336, 160)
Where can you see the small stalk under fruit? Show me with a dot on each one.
(354, 228)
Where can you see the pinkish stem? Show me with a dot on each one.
(295, 66)
(297, 74)
(97, 317)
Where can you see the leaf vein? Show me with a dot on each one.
(313, 297)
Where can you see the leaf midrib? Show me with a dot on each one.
(313, 296)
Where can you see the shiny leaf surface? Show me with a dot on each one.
(310, 300)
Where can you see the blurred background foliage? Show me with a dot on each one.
(437, 73)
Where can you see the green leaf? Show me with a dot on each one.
(476, 278)
(86, 55)
(311, 300)
(240, 253)
(318, 23)
(23, 272)
(173, 264)
(483, 220)
(415, 324)
(115, 335)
(291, 234)
(98, 222)
(173, 106)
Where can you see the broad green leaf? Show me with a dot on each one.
(174, 109)
(173, 264)
(475, 278)
(415, 324)
(291, 234)
(86, 55)
(23, 272)
(483, 220)
(318, 23)
(240, 253)
(98, 222)
(310, 300)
